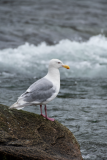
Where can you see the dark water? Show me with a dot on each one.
(81, 106)
(50, 21)
(75, 32)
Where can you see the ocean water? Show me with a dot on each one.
(32, 33)
(86, 59)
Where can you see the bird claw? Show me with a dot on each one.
(43, 115)
(50, 119)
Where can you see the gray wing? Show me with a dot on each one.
(39, 91)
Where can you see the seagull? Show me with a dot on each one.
(43, 90)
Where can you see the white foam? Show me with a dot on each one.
(86, 59)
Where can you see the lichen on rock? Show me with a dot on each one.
(25, 135)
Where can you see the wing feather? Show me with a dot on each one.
(39, 91)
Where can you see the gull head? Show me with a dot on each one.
(56, 63)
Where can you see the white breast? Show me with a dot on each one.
(54, 76)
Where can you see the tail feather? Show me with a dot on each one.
(20, 104)
(17, 106)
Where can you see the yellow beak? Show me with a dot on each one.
(65, 66)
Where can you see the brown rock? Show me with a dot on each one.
(27, 136)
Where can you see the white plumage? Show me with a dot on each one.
(44, 90)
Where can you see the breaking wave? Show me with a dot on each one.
(86, 59)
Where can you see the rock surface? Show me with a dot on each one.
(27, 136)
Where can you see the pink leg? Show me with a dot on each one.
(51, 119)
(41, 111)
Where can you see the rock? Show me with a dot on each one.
(27, 136)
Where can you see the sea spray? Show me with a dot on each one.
(86, 59)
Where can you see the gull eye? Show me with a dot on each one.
(59, 62)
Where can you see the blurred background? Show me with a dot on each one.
(74, 31)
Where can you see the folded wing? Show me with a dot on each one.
(39, 91)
